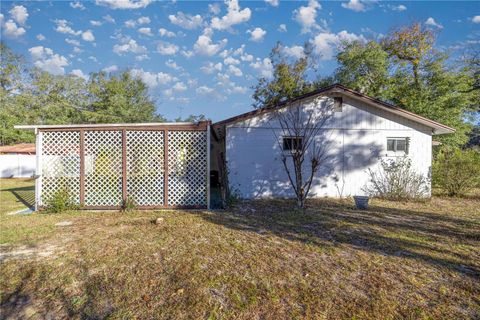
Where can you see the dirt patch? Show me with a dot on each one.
(28, 252)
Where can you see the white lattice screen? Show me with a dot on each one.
(145, 169)
(60, 164)
(103, 168)
(187, 168)
(143, 162)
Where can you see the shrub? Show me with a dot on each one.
(396, 180)
(60, 201)
(129, 204)
(456, 171)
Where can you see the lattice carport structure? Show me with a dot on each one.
(157, 165)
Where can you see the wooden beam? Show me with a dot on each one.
(82, 168)
(165, 167)
(124, 165)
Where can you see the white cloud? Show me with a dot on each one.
(77, 5)
(273, 3)
(179, 87)
(264, 67)
(10, 29)
(282, 28)
(306, 16)
(19, 14)
(143, 20)
(172, 64)
(237, 89)
(63, 27)
(145, 31)
(130, 23)
(355, 5)
(204, 90)
(47, 60)
(152, 79)
(96, 23)
(142, 57)
(124, 4)
(431, 22)
(167, 48)
(210, 93)
(128, 45)
(400, 7)
(165, 33)
(326, 43)
(112, 68)
(77, 50)
(234, 16)
(296, 52)
(73, 42)
(40, 37)
(205, 46)
(231, 60)
(108, 18)
(214, 8)
(79, 73)
(476, 19)
(187, 53)
(235, 71)
(186, 21)
(211, 67)
(88, 36)
(257, 34)
(93, 58)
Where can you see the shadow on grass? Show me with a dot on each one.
(26, 195)
(435, 239)
(23, 302)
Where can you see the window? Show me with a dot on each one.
(397, 146)
(337, 104)
(292, 143)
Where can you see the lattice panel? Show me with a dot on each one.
(145, 167)
(103, 168)
(60, 164)
(187, 168)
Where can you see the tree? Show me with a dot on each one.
(411, 44)
(363, 67)
(289, 79)
(302, 125)
(119, 98)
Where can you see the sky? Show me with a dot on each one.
(200, 57)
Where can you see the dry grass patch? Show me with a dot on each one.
(262, 260)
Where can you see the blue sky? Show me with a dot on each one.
(200, 57)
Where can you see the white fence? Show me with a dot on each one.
(17, 165)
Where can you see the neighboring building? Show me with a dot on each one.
(362, 131)
(17, 161)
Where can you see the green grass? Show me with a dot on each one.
(16, 194)
(260, 260)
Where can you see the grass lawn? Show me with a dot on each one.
(260, 260)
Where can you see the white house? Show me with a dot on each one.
(361, 131)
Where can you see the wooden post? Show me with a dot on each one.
(82, 168)
(165, 167)
(124, 165)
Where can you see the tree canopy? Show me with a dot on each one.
(29, 95)
(404, 69)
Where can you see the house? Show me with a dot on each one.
(171, 165)
(361, 131)
(17, 161)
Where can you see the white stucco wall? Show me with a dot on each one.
(17, 166)
(356, 139)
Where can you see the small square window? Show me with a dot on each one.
(292, 143)
(337, 104)
(397, 146)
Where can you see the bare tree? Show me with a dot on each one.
(300, 127)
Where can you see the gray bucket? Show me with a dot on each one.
(361, 202)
